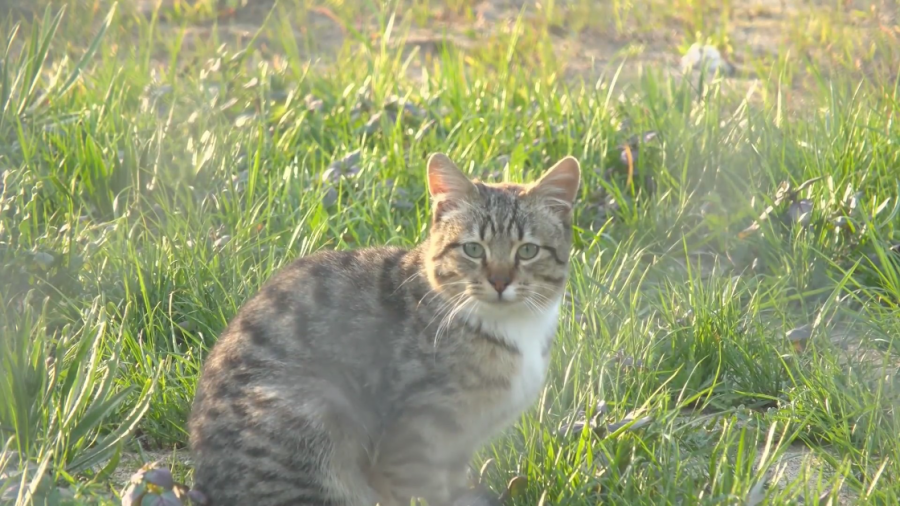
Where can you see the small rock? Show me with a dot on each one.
(313, 104)
(631, 362)
(401, 200)
(240, 179)
(800, 212)
(408, 110)
(221, 241)
(161, 477)
(515, 488)
(330, 197)
(828, 498)
(852, 202)
(800, 333)
(346, 166)
(601, 410)
(197, 497)
(705, 55)
(243, 120)
(187, 326)
(577, 426)
(626, 361)
(43, 259)
(572, 428)
(757, 494)
(631, 147)
(373, 124)
(167, 498)
(638, 424)
(799, 336)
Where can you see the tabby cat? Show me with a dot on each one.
(356, 378)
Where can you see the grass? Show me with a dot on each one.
(154, 176)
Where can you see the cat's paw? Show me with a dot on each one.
(478, 496)
(155, 486)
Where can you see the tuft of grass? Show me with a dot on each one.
(728, 333)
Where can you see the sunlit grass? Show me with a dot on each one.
(153, 179)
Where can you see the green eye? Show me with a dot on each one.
(473, 249)
(528, 251)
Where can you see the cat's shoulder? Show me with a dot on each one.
(330, 273)
(334, 261)
(323, 284)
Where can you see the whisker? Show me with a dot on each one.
(540, 301)
(407, 280)
(469, 314)
(531, 305)
(436, 290)
(448, 320)
(540, 297)
(445, 306)
(541, 284)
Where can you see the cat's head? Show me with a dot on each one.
(500, 246)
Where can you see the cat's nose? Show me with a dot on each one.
(499, 282)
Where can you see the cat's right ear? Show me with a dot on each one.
(447, 185)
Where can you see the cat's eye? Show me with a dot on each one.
(528, 251)
(473, 249)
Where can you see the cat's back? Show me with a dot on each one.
(327, 303)
(322, 317)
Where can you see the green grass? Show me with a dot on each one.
(153, 179)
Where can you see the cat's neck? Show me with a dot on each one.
(520, 326)
(528, 332)
(500, 313)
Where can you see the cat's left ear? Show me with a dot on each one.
(558, 187)
(447, 184)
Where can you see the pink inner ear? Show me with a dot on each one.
(446, 184)
(445, 180)
(559, 185)
(437, 183)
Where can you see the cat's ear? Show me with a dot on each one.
(447, 184)
(558, 187)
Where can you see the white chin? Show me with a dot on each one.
(499, 303)
(509, 296)
(504, 301)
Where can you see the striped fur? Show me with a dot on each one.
(372, 376)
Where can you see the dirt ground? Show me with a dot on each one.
(591, 39)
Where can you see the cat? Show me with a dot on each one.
(372, 376)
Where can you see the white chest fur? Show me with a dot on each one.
(532, 335)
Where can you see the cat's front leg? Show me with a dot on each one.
(439, 484)
(468, 491)
(477, 496)
(452, 482)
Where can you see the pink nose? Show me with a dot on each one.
(499, 282)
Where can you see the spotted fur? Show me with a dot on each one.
(364, 377)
